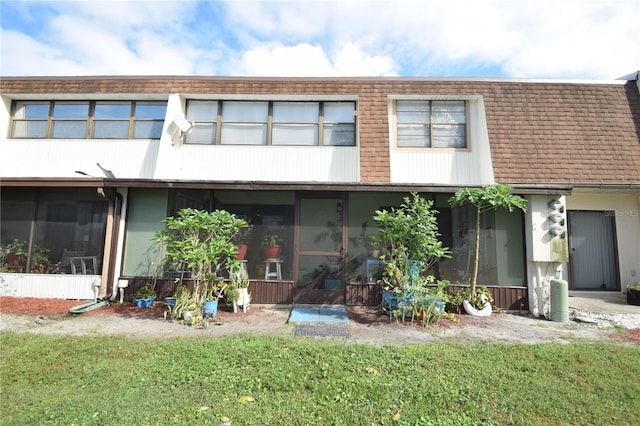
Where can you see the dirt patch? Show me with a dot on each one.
(366, 324)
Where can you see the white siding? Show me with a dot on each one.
(259, 163)
(62, 157)
(445, 166)
(48, 286)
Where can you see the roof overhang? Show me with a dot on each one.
(266, 186)
(520, 188)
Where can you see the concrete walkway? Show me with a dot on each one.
(602, 302)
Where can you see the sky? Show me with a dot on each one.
(538, 39)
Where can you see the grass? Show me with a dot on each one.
(266, 380)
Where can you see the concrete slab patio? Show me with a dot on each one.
(602, 302)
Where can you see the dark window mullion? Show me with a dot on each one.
(269, 123)
(90, 119)
(50, 120)
(132, 121)
(430, 124)
(466, 124)
(321, 124)
(219, 124)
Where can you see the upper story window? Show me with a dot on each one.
(88, 119)
(301, 123)
(431, 124)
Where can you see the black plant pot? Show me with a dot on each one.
(633, 297)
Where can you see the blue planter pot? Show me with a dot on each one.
(145, 303)
(170, 302)
(210, 309)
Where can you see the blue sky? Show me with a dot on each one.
(574, 39)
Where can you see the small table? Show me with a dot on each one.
(277, 274)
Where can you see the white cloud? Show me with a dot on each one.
(274, 59)
(350, 60)
(542, 38)
(22, 55)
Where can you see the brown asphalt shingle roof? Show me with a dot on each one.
(540, 132)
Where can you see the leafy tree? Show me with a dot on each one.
(203, 243)
(410, 232)
(484, 199)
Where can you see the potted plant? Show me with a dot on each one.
(456, 297)
(14, 256)
(271, 245)
(213, 293)
(145, 296)
(241, 241)
(238, 290)
(411, 238)
(633, 294)
(186, 307)
(202, 242)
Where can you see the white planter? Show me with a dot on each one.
(243, 299)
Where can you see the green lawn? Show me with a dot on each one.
(116, 380)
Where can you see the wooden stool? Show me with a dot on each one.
(277, 274)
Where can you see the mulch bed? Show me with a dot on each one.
(364, 315)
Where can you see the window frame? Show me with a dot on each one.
(90, 119)
(319, 124)
(430, 123)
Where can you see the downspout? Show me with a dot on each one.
(111, 248)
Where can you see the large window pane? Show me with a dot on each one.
(69, 129)
(448, 112)
(295, 112)
(412, 112)
(339, 112)
(295, 134)
(415, 135)
(150, 110)
(111, 129)
(244, 123)
(30, 129)
(437, 124)
(339, 134)
(202, 134)
(70, 120)
(245, 111)
(71, 110)
(112, 110)
(204, 114)
(111, 120)
(147, 129)
(244, 134)
(32, 110)
(69, 222)
(449, 136)
(202, 110)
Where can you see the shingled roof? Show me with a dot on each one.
(540, 132)
(565, 133)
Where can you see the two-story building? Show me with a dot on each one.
(90, 166)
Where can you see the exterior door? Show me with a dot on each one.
(320, 247)
(593, 250)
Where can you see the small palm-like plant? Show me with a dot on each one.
(484, 199)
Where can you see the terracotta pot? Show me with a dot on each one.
(242, 252)
(272, 252)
